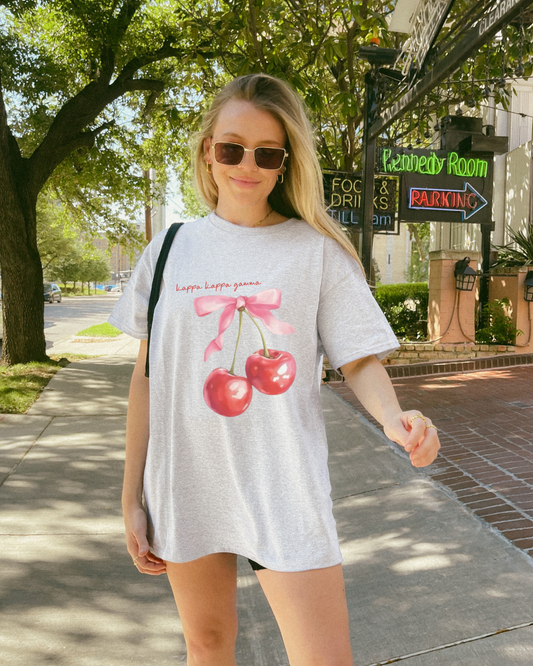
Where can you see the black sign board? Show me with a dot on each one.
(441, 186)
(342, 192)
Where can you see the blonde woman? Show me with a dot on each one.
(226, 451)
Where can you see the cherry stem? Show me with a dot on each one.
(237, 345)
(266, 354)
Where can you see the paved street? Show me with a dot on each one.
(63, 320)
(485, 422)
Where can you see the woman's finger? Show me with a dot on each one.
(426, 451)
(154, 558)
(150, 564)
(416, 427)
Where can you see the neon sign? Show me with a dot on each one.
(432, 164)
(466, 201)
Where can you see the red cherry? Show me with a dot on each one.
(273, 375)
(226, 394)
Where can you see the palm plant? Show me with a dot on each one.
(519, 252)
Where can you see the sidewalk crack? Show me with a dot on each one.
(463, 641)
(12, 470)
(371, 490)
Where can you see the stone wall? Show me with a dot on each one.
(419, 352)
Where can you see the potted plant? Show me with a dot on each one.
(519, 252)
(508, 314)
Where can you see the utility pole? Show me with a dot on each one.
(369, 165)
(376, 56)
(148, 207)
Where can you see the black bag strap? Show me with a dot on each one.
(156, 285)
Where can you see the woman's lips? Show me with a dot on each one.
(248, 184)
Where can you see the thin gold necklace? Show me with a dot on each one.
(258, 223)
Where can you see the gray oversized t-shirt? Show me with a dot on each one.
(255, 483)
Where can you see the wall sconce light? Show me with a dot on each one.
(465, 277)
(528, 286)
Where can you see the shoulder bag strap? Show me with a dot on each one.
(156, 285)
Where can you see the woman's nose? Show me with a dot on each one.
(248, 161)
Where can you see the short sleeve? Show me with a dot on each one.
(351, 324)
(131, 311)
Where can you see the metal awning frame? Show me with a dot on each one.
(491, 23)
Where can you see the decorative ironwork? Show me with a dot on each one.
(426, 23)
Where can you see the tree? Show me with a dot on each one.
(83, 265)
(418, 269)
(70, 72)
(95, 268)
(69, 268)
(55, 238)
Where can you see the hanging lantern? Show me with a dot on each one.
(528, 287)
(465, 277)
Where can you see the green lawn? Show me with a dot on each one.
(100, 331)
(69, 291)
(22, 384)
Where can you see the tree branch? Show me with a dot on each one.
(11, 161)
(297, 13)
(42, 164)
(86, 139)
(117, 26)
(87, 105)
(144, 84)
(82, 16)
(253, 31)
(413, 230)
(151, 103)
(129, 69)
(317, 48)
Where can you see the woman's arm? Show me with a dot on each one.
(137, 434)
(371, 384)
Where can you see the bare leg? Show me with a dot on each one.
(312, 614)
(205, 591)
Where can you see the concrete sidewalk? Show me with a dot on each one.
(428, 583)
(123, 345)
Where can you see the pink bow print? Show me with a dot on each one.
(258, 305)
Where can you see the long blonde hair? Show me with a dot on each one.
(301, 194)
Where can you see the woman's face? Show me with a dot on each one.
(245, 184)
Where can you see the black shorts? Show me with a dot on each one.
(255, 566)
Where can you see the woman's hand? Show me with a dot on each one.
(416, 434)
(371, 384)
(137, 542)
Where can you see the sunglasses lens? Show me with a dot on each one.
(232, 154)
(228, 153)
(269, 158)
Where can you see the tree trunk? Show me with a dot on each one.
(22, 290)
(22, 271)
(414, 233)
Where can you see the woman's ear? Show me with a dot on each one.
(207, 149)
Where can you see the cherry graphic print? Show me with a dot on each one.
(268, 370)
(227, 394)
(271, 375)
